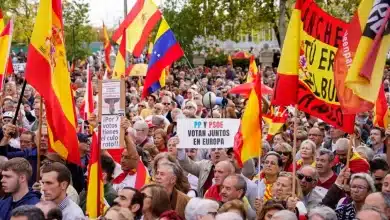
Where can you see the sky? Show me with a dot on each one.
(109, 11)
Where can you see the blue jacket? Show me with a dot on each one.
(7, 205)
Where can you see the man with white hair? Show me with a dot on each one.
(356, 163)
(141, 133)
(284, 215)
(228, 216)
(308, 179)
(371, 213)
(322, 213)
(197, 208)
(166, 101)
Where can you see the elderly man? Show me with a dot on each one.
(371, 213)
(141, 133)
(324, 160)
(377, 138)
(222, 170)
(203, 169)
(380, 200)
(356, 163)
(308, 179)
(167, 102)
(167, 176)
(317, 136)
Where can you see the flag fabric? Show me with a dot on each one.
(246, 88)
(2, 23)
(230, 60)
(107, 47)
(120, 61)
(150, 50)
(46, 70)
(5, 47)
(363, 52)
(381, 118)
(166, 50)
(275, 120)
(88, 99)
(138, 24)
(253, 70)
(247, 142)
(305, 73)
(95, 194)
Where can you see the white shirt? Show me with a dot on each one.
(129, 181)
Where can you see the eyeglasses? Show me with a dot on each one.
(308, 179)
(286, 153)
(360, 188)
(315, 135)
(141, 106)
(166, 103)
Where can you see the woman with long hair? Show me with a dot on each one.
(308, 154)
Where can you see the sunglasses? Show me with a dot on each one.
(308, 179)
(286, 153)
(166, 103)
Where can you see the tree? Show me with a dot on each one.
(77, 30)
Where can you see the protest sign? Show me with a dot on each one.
(113, 105)
(207, 133)
(19, 67)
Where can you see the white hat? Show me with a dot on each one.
(8, 115)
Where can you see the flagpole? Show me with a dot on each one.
(39, 136)
(261, 130)
(350, 145)
(294, 150)
(19, 102)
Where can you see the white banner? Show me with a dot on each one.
(207, 133)
(111, 131)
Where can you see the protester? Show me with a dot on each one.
(50, 210)
(27, 212)
(308, 179)
(324, 161)
(222, 170)
(198, 208)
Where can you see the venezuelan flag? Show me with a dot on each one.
(138, 24)
(5, 46)
(253, 70)
(47, 71)
(95, 192)
(107, 47)
(248, 139)
(120, 62)
(166, 50)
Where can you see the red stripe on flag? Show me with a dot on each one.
(129, 19)
(146, 32)
(141, 175)
(42, 83)
(288, 86)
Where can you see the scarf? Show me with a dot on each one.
(213, 193)
(123, 175)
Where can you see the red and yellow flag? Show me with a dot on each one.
(138, 24)
(2, 23)
(362, 53)
(305, 72)
(230, 60)
(150, 50)
(5, 47)
(253, 70)
(107, 47)
(95, 193)
(248, 142)
(381, 117)
(47, 72)
(275, 120)
(120, 61)
(88, 99)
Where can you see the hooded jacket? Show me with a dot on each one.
(7, 205)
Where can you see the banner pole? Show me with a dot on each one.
(350, 145)
(39, 136)
(294, 150)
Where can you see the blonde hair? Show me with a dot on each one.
(312, 145)
(234, 204)
(298, 189)
(123, 213)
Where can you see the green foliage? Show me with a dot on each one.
(78, 33)
(220, 59)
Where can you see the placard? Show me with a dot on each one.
(207, 133)
(113, 108)
(19, 67)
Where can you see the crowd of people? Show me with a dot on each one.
(190, 183)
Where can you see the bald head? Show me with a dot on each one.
(46, 206)
(222, 170)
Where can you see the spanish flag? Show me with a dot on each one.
(5, 46)
(289, 62)
(120, 61)
(88, 99)
(247, 142)
(138, 24)
(381, 118)
(275, 120)
(107, 47)
(47, 72)
(95, 193)
(230, 61)
(366, 70)
(1, 20)
(253, 70)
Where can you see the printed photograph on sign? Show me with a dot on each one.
(111, 96)
(207, 133)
